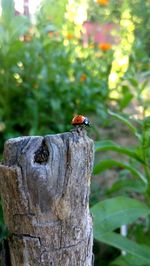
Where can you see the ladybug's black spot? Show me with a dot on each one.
(42, 154)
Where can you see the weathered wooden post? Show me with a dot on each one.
(44, 185)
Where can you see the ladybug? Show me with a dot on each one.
(80, 120)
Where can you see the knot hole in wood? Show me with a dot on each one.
(42, 154)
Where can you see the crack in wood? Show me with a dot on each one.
(25, 235)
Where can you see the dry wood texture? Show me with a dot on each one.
(44, 185)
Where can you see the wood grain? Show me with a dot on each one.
(45, 186)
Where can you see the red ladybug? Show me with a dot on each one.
(80, 120)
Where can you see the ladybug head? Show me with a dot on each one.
(86, 121)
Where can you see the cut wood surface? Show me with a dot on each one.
(45, 185)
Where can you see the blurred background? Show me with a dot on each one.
(66, 57)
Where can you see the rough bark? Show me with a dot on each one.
(44, 185)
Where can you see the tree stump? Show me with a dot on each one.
(45, 185)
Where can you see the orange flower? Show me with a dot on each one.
(69, 36)
(102, 2)
(83, 77)
(105, 46)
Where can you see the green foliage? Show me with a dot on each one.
(47, 76)
(128, 260)
(125, 121)
(105, 164)
(49, 11)
(110, 214)
(111, 145)
(139, 252)
(113, 213)
(49, 81)
(124, 185)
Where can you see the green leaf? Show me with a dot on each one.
(126, 99)
(110, 214)
(143, 85)
(111, 145)
(108, 163)
(125, 121)
(140, 251)
(128, 260)
(128, 185)
(134, 82)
